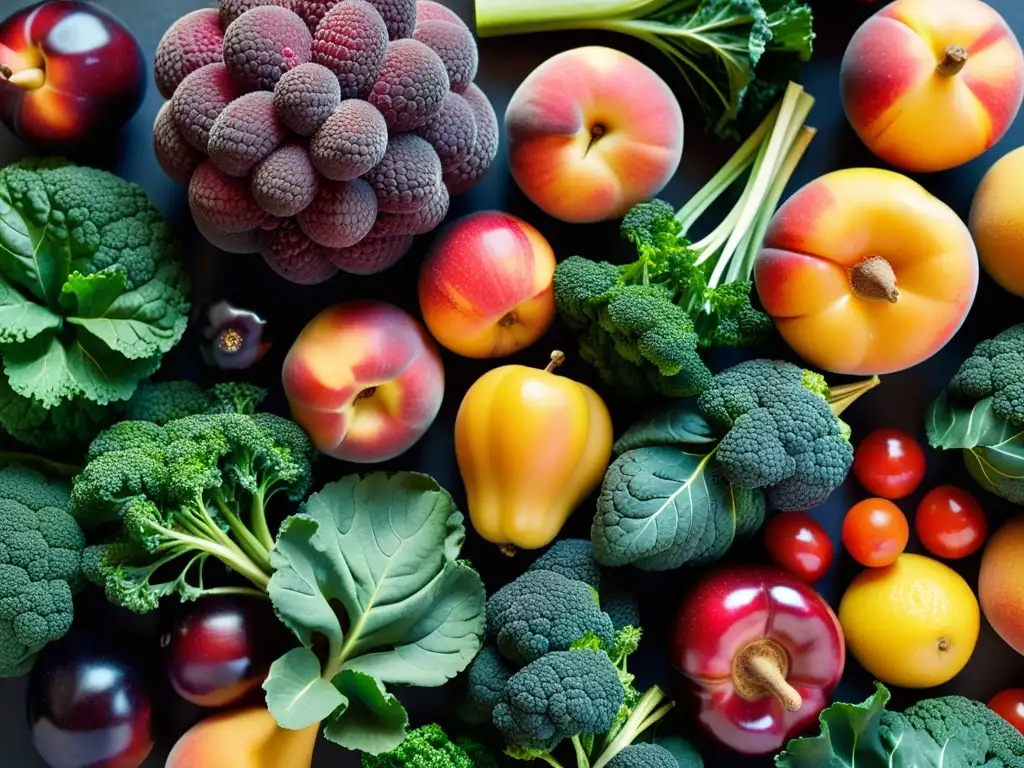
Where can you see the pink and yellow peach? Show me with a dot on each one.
(364, 380)
(931, 84)
(246, 738)
(592, 132)
(486, 288)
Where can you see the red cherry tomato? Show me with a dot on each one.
(798, 544)
(889, 463)
(950, 522)
(875, 532)
(1009, 705)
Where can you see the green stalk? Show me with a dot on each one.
(231, 556)
(495, 18)
(245, 538)
(258, 521)
(247, 591)
(54, 467)
(649, 710)
(550, 760)
(582, 761)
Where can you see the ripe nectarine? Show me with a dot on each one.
(592, 132)
(997, 222)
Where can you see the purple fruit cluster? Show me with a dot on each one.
(323, 134)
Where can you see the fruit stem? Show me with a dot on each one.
(508, 550)
(557, 358)
(29, 79)
(759, 669)
(6, 71)
(953, 62)
(875, 280)
(842, 397)
(766, 672)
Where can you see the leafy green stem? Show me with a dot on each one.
(230, 554)
(247, 541)
(582, 760)
(648, 711)
(258, 521)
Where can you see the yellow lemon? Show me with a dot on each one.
(913, 623)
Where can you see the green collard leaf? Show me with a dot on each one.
(101, 374)
(952, 424)
(91, 295)
(374, 722)
(297, 695)
(33, 253)
(662, 507)
(865, 736)
(791, 24)
(380, 553)
(23, 318)
(39, 370)
(674, 424)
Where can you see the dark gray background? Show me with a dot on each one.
(504, 63)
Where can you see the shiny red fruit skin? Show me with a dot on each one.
(1009, 705)
(728, 609)
(875, 532)
(95, 72)
(799, 545)
(950, 522)
(221, 648)
(889, 463)
(88, 705)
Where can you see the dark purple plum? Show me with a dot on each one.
(89, 706)
(220, 648)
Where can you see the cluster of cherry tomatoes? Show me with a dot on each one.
(890, 464)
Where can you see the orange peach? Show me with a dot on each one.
(1001, 583)
(364, 380)
(592, 132)
(246, 738)
(485, 289)
(865, 272)
(997, 222)
(931, 84)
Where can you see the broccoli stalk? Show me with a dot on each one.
(641, 324)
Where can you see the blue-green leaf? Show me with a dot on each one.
(374, 721)
(35, 256)
(297, 695)
(22, 318)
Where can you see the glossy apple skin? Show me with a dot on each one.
(727, 610)
(365, 380)
(88, 706)
(486, 288)
(95, 73)
(221, 648)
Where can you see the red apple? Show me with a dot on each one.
(485, 290)
(365, 380)
(69, 72)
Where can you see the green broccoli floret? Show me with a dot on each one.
(194, 488)
(170, 400)
(644, 756)
(559, 696)
(102, 295)
(425, 747)
(573, 559)
(992, 741)
(541, 612)
(40, 566)
(486, 678)
(781, 433)
(995, 369)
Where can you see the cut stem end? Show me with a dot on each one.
(874, 279)
(760, 669)
(953, 62)
(29, 79)
(508, 550)
(557, 358)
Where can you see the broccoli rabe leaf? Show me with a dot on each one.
(369, 568)
(661, 508)
(673, 424)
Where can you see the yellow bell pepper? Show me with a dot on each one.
(531, 445)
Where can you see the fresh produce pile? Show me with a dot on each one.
(322, 135)
(305, 609)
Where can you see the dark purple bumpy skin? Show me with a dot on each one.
(351, 142)
(192, 42)
(451, 132)
(229, 242)
(371, 255)
(411, 86)
(428, 10)
(292, 255)
(426, 219)
(399, 15)
(263, 44)
(223, 202)
(313, 11)
(232, 9)
(465, 176)
(408, 176)
(305, 97)
(341, 215)
(177, 158)
(457, 48)
(352, 41)
(285, 183)
(245, 133)
(199, 100)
